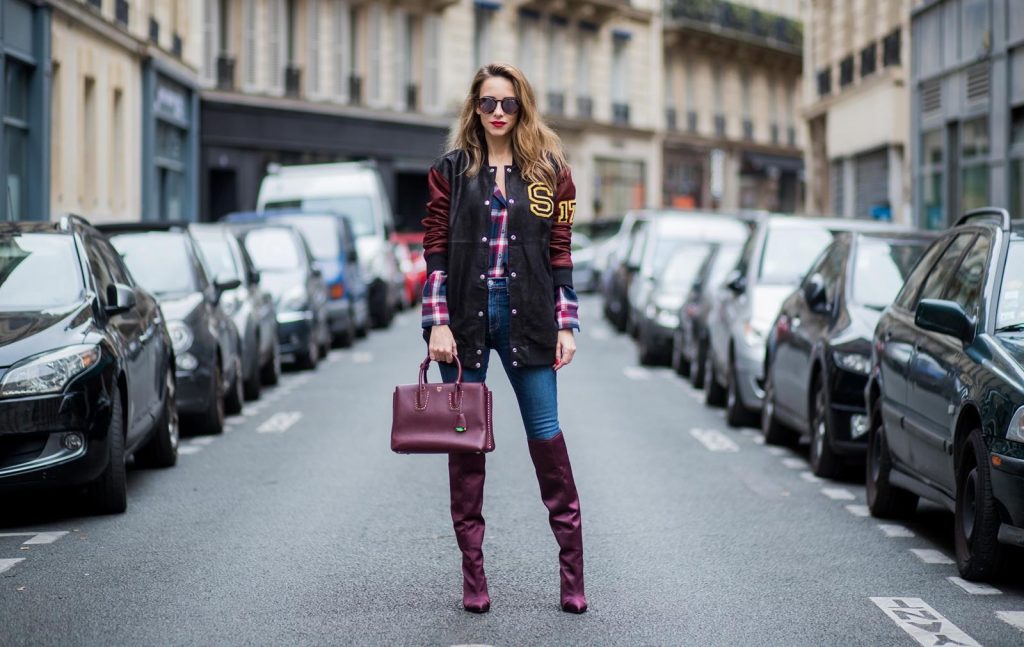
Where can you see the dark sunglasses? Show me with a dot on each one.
(487, 105)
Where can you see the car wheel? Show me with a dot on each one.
(698, 363)
(236, 392)
(775, 433)
(345, 338)
(824, 462)
(680, 364)
(213, 419)
(736, 413)
(253, 383)
(884, 499)
(162, 449)
(270, 374)
(325, 342)
(307, 359)
(109, 493)
(714, 393)
(976, 519)
(645, 355)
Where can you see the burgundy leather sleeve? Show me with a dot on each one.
(561, 229)
(435, 222)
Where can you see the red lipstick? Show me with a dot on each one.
(498, 124)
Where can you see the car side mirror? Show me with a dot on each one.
(224, 286)
(736, 282)
(945, 318)
(317, 272)
(120, 298)
(254, 277)
(814, 293)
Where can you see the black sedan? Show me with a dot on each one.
(819, 347)
(86, 365)
(165, 259)
(288, 271)
(946, 390)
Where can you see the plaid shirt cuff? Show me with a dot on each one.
(435, 303)
(567, 307)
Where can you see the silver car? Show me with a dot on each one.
(771, 265)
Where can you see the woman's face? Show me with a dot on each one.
(498, 123)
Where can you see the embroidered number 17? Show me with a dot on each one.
(566, 211)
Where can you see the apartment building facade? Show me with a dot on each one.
(124, 109)
(732, 83)
(305, 81)
(857, 108)
(967, 108)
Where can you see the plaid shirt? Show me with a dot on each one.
(435, 303)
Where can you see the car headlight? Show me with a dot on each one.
(49, 372)
(295, 299)
(853, 362)
(181, 336)
(667, 318)
(1016, 429)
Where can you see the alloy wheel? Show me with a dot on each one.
(970, 504)
(173, 431)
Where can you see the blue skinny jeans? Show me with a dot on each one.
(536, 387)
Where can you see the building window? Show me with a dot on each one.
(313, 51)
(619, 186)
(277, 44)
(119, 158)
(974, 173)
(16, 138)
(249, 49)
(824, 81)
(211, 40)
(690, 86)
(620, 79)
(432, 62)
(932, 174)
(745, 107)
(891, 49)
(717, 92)
(555, 62)
(585, 48)
(527, 41)
(89, 128)
(846, 71)
(357, 58)
(484, 18)
(868, 60)
(406, 90)
(341, 49)
(374, 45)
(975, 29)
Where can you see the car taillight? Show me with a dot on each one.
(337, 290)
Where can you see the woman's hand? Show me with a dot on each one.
(566, 348)
(441, 347)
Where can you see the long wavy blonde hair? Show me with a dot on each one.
(536, 149)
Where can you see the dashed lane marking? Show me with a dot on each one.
(636, 372)
(931, 556)
(362, 357)
(794, 463)
(895, 530)
(923, 623)
(7, 564)
(714, 440)
(1013, 618)
(858, 510)
(279, 422)
(777, 451)
(201, 441)
(838, 493)
(974, 588)
(811, 478)
(188, 450)
(37, 538)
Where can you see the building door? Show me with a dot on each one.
(223, 192)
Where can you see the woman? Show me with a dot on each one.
(498, 228)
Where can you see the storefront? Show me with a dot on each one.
(170, 145)
(25, 110)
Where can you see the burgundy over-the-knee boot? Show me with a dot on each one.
(466, 480)
(558, 491)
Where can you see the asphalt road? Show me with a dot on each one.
(300, 527)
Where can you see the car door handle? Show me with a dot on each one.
(888, 335)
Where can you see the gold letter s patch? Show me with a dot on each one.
(542, 203)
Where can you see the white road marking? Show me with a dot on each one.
(279, 422)
(923, 623)
(757, 440)
(186, 450)
(714, 440)
(794, 463)
(362, 357)
(201, 441)
(636, 372)
(776, 451)
(858, 510)
(7, 564)
(974, 588)
(931, 556)
(231, 422)
(811, 478)
(249, 412)
(895, 530)
(749, 433)
(37, 538)
(837, 493)
(1013, 618)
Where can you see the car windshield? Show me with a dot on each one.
(38, 272)
(682, 267)
(219, 259)
(321, 232)
(724, 261)
(789, 251)
(880, 269)
(159, 260)
(358, 208)
(1010, 314)
(273, 250)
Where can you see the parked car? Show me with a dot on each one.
(618, 275)
(690, 341)
(946, 390)
(288, 271)
(250, 307)
(583, 276)
(773, 262)
(164, 258)
(819, 347)
(411, 288)
(332, 240)
(353, 189)
(416, 275)
(86, 365)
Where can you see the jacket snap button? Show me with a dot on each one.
(492, 169)
(508, 168)
(477, 365)
(512, 237)
(480, 314)
(513, 275)
(482, 277)
(487, 202)
(511, 201)
(479, 352)
(515, 350)
(514, 311)
(515, 363)
(484, 239)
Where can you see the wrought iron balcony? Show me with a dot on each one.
(154, 30)
(691, 121)
(176, 45)
(670, 118)
(584, 107)
(737, 21)
(748, 129)
(620, 113)
(412, 96)
(355, 89)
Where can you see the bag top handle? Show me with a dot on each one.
(425, 364)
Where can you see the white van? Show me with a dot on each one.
(354, 189)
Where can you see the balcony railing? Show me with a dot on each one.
(846, 71)
(768, 28)
(556, 103)
(121, 12)
(154, 30)
(868, 60)
(584, 107)
(775, 133)
(620, 113)
(225, 72)
(176, 45)
(748, 129)
(824, 81)
(292, 81)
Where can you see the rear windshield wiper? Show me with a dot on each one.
(1017, 327)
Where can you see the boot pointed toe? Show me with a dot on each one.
(574, 605)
